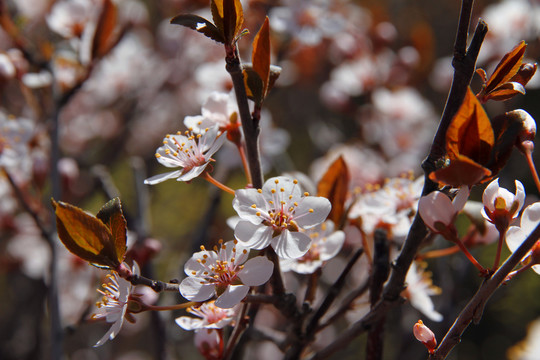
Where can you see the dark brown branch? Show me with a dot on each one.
(381, 269)
(464, 68)
(331, 295)
(473, 310)
(156, 285)
(249, 126)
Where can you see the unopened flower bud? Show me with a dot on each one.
(423, 334)
(528, 128)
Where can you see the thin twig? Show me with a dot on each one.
(473, 310)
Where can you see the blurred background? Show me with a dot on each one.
(366, 80)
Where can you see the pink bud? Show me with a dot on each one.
(423, 334)
(210, 343)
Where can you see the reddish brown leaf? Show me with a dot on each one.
(105, 30)
(507, 67)
(470, 132)
(261, 54)
(228, 17)
(461, 171)
(111, 215)
(506, 91)
(334, 185)
(254, 84)
(524, 74)
(199, 24)
(90, 238)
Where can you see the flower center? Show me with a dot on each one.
(224, 271)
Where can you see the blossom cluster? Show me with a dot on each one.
(317, 212)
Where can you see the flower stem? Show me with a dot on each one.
(171, 307)
(438, 253)
(213, 181)
(244, 163)
(499, 250)
(530, 162)
(471, 258)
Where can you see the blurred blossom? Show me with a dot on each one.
(419, 289)
(69, 18)
(224, 272)
(32, 9)
(37, 80)
(307, 21)
(208, 316)
(15, 135)
(7, 69)
(82, 127)
(67, 70)
(211, 76)
(9, 203)
(217, 110)
(273, 143)
(210, 343)
(131, 70)
(400, 122)
(365, 166)
(76, 285)
(510, 21)
(442, 74)
(325, 244)
(29, 248)
(392, 206)
(528, 348)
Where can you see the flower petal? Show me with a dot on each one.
(196, 289)
(256, 271)
(189, 323)
(156, 179)
(515, 237)
(243, 202)
(436, 207)
(291, 245)
(232, 296)
(311, 211)
(489, 194)
(253, 236)
(113, 331)
(192, 173)
(331, 246)
(530, 218)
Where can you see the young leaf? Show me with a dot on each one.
(199, 24)
(216, 6)
(253, 83)
(507, 67)
(469, 143)
(261, 54)
(334, 185)
(88, 237)
(103, 37)
(111, 215)
(509, 78)
(461, 171)
(470, 132)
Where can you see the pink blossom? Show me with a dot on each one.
(225, 273)
(275, 214)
